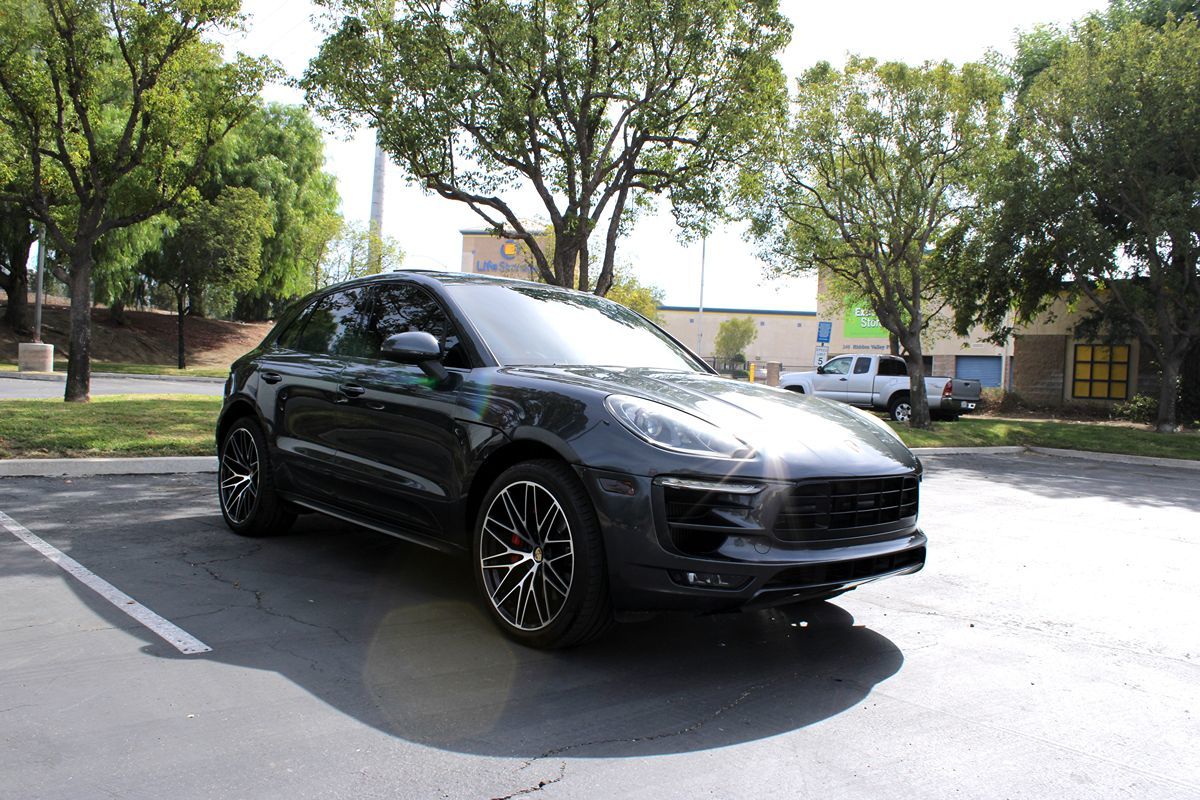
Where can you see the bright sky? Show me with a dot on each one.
(427, 227)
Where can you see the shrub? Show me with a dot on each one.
(1139, 408)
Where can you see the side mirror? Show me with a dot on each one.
(416, 347)
(820, 369)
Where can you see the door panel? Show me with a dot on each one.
(860, 383)
(831, 382)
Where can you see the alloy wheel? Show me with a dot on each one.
(526, 555)
(903, 412)
(239, 476)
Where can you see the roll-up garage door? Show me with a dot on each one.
(985, 369)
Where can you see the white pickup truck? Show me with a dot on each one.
(882, 382)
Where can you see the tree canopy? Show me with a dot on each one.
(109, 111)
(734, 336)
(1099, 193)
(879, 163)
(586, 105)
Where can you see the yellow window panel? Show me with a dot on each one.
(1120, 372)
(1101, 353)
(1100, 372)
(1116, 391)
(1121, 353)
(1083, 372)
(1081, 389)
(1100, 389)
(1083, 352)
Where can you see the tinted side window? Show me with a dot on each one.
(337, 326)
(400, 308)
(862, 366)
(892, 366)
(294, 327)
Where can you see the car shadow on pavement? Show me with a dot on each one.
(391, 635)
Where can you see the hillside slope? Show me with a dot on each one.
(148, 338)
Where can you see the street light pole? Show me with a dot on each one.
(37, 297)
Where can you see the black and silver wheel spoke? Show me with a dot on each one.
(526, 555)
(239, 475)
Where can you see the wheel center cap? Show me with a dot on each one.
(537, 554)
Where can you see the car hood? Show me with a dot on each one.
(786, 429)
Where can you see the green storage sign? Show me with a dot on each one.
(861, 322)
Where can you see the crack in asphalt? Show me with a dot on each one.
(259, 605)
(562, 772)
(692, 728)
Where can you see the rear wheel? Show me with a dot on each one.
(900, 408)
(249, 502)
(539, 558)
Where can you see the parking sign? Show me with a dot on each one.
(824, 329)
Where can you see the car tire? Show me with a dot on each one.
(245, 485)
(900, 408)
(538, 557)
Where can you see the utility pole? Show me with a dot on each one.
(375, 231)
(37, 295)
(700, 315)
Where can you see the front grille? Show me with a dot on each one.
(844, 571)
(700, 521)
(817, 510)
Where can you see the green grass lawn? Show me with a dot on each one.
(989, 432)
(115, 425)
(135, 369)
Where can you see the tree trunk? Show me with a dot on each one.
(116, 312)
(179, 312)
(79, 357)
(917, 397)
(1168, 394)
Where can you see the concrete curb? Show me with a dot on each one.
(975, 451)
(1120, 458)
(84, 467)
(61, 377)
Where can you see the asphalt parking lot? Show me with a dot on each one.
(1049, 649)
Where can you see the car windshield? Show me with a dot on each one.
(530, 325)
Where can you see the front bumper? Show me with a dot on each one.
(747, 561)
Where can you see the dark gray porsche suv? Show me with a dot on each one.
(587, 463)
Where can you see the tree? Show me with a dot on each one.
(1099, 196)
(110, 110)
(17, 236)
(279, 152)
(633, 294)
(216, 245)
(589, 105)
(878, 165)
(734, 336)
(348, 256)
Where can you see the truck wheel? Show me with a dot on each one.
(900, 408)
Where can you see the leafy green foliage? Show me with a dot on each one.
(591, 104)
(734, 336)
(109, 111)
(217, 245)
(1099, 192)
(347, 256)
(633, 294)
(880, 162)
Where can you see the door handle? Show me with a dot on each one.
(843, 379)
(271, 377)
(351, 390)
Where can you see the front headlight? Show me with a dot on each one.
(672, 429)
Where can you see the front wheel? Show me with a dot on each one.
(900, 408)
(539, 558)
(249, 503)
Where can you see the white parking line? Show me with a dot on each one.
(183, 641)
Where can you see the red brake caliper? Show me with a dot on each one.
(516, 542)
